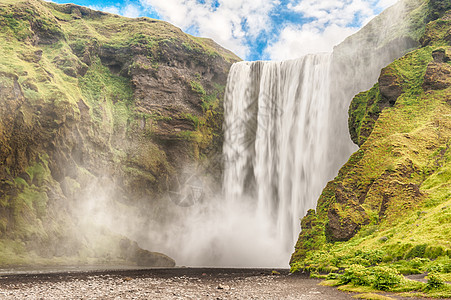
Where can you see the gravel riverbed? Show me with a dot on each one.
(183, 283)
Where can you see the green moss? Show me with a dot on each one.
(100, 82)
(437, 9)
(197, 87)
(417, 251)
(141, 40)
(29, 206)
(195, 119)
(109, 96)
(138, 173)
(363, 113)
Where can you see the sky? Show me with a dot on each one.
(256, 29)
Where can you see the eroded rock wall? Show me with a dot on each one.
(102, 108)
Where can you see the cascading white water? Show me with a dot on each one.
(277, 140)
(277, 153)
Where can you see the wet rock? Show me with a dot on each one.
(223, 287)
(383, 239)
(390, 85)
(153, 259)
(132, 252)
(344, 224)
(438, 72)
(440, 56)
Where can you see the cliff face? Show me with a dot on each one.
(96, 106)
(359, 59)
(390, 201)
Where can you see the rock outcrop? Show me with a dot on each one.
(438, 73)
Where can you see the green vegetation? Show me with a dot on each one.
(102, 89)
(197, 87)
(372, 296)
(363, 112)
(386, 214)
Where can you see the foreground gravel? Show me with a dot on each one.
(167, 284)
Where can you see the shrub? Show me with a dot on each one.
(418, 262)
(441, 265)
(367, 258)
(197, 87)
(385, 278)
(357, 275)
(447, 268)
(387, 258)
(333, 276)
(296, 267)
(435, 281)
(417, 251)
(434, 252)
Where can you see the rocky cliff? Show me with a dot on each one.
(97, 109)
(387, 211)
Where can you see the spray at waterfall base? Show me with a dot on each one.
(275, 166)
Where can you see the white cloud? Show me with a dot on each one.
(331, 21)
(236, 24)
(131, 11)
(231, 23)
(386, 3)
(296, 41)
(109, 9)
(338, 12)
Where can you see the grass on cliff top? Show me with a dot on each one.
(83, 27)
(116, 31)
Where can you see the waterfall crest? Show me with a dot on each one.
(277, 140)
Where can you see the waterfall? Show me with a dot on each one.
(277, 140)
(285, 136)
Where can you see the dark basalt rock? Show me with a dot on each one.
(389, 86)
(440, 56)
(341, 228)
(438, 73)
(132, 252)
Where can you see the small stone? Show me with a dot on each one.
(223, 287)
(383, 239)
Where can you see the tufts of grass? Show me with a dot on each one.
(372, 296)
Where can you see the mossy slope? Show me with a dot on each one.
(389, 203)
